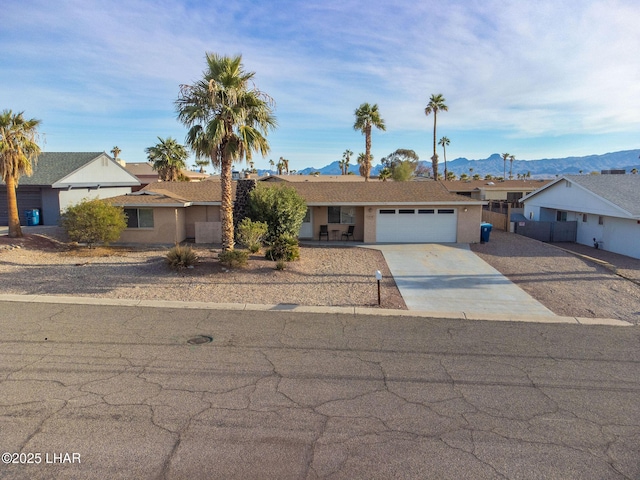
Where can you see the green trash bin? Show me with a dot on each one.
(485, 232)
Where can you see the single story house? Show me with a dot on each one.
(379, 212)
(145, 173)
(605, 207)
(494, 190)
(63, 179)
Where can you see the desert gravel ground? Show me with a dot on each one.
(565, 283)
(327, 276)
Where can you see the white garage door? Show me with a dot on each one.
(413, 225)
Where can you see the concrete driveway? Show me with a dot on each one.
(451, 279)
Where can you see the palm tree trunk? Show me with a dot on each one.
(367, 149)
(12, 209)
(444, 150)
(434, 159)
(226, 204)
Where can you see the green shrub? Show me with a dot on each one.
(280, 265)
(280, 207)
(284, 248)
(234, 258)
(181, 257)
(251, 234)
(93, 221)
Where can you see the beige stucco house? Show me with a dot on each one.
(379, 212)
(495, 190)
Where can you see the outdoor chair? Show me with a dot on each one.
(324, 231)
(349, 232)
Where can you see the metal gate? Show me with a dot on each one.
(548, 231)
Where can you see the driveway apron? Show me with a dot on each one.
(449, 278)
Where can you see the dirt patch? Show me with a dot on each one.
(567, 284)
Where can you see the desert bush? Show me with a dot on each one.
(251, 234)
(180, 257)
(280, 207)
(284, 248)
(234, 258)
(93, 221)
(281, 265)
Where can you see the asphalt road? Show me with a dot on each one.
(118, 392)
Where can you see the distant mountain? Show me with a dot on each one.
(495, 166)
(547, 167)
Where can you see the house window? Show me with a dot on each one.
(600, 220)
(585, 218)
(345, 215)
(139, 217)
(561, 216)
(514, 196)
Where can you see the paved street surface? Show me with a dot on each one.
(99, 392)
(443, 278)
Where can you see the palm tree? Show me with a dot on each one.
(444, 143)
(436, 104)
(201, 163)
(384, 174)
(511, 159)
(116, 151)
(168, 158)
(280, 166)
(451, 176)
(362, 160)
(18, 149)
(505, 157)
(285, 164)
(228, 119)
(367, 116)
(346, 158)
(271, 163)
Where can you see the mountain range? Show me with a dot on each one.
(494, 165)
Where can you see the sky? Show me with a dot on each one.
(544, 79)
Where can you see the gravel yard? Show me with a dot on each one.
(567, 284)
(329, 276)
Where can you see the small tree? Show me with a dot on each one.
(280, 207)
(251, 234)
(94, 221)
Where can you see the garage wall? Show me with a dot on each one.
(469, 223)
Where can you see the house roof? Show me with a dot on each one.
(52, 167)
(145, 169)
(376, 193)
(315, 193)
(622, 191)
(495, 185)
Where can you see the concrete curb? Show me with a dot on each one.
(487, 317)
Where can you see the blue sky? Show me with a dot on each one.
(540, 79)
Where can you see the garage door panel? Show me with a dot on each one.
(424, 225)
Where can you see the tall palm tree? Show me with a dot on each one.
(435, 105)
(168, 158)
(367, 116)
(362, 160)
(511, 159)
(228, 119)
(18, 149)
(505, 157)
(346, 158)
(444, 142)
(271, 163)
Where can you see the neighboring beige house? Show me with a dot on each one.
(380, 212)
(145, 173)
(495, 190)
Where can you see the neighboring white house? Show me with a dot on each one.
(62, 179)
(605, 207)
